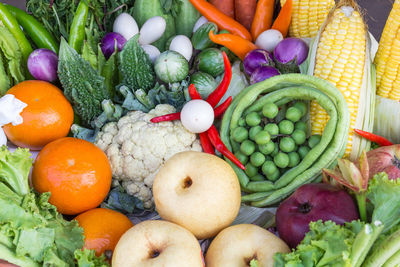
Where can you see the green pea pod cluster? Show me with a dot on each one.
(281, 90)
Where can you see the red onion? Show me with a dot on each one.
(108, 43)
(42, 64)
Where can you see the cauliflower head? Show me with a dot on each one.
(137, 148)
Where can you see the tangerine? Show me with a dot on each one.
(103, 228)
(47, 117)
(76, 173)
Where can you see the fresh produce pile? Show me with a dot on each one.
(198, 133)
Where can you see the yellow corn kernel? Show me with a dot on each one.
(308, 16)
(340, 60)
(387, 58)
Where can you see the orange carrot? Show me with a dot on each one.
(282, 22)
(223, 21)
(238, 45)
(225, 6)
(263, 18)
(244, 12)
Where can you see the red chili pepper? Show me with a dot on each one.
(374, 138)
(220, 146)
(168, 117)
(194, 94)
(206, 143)
(214, 98)
(219, 111)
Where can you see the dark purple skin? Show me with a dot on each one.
(290, 49)
(42, 64)
(262, 73)
(313, 202)
(108, 43)
(255, 59)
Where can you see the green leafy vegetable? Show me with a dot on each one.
(135, 66)
(330, 244)
(87, 258)
(384, 194)
(57, 16)
(111, 112)
(11, 61)
(83, 86)
(32, 232)
(386, 251)
(14, 168)
(121, 201)
(327, 244)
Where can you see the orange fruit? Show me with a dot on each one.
(103, 228)
(47, 117)
(76, 173)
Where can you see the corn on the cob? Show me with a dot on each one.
(342, 58)
(387, 59)
(308, 16)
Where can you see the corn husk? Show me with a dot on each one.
(366, 107)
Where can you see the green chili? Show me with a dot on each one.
(12, 24)
(77, 30)
(36, 31)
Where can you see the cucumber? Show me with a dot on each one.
(204, 83)
(186, 17)
(210, 61)
(200, 39)
(145, 9)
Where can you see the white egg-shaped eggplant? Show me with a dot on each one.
(125, 25)
(152, 51)
(269, 39)
(199, 22)
(197, 116)
(152, 30)
(182, 45)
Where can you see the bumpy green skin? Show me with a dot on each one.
(135, 66)
(282, 89)
(83, 86)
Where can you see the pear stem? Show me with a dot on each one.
(361, 202)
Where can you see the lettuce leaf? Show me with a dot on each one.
(87, 258)
(326, 244)
(384, 195)
(14, 169)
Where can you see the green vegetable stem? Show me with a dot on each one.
(77, 31)
(12, 24)
(36, 31)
